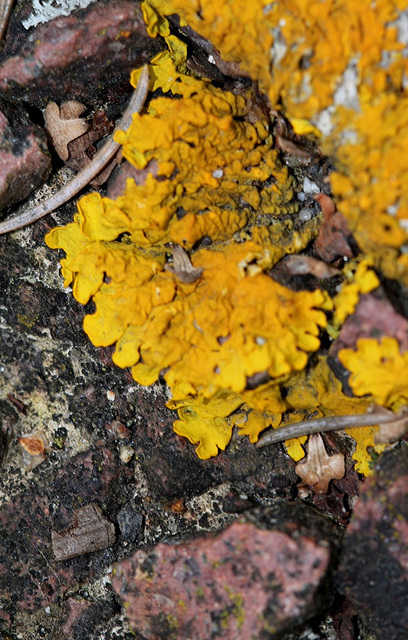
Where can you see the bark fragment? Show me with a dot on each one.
(90, 531)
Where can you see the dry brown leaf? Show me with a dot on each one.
(71, 109)
(319, 468)
(182, 267)
(291, 143)
(63, 125)
(82, 149)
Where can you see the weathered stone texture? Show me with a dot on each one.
(374, 563)
(257, 578)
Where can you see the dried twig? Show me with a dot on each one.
(331, 423)
(89, 172)
(6, 9)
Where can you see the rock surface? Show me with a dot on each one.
(86, 56)
(54, 381)
(24, 159)
(374, 563)
(262, 575)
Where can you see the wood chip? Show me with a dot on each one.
(90, 531)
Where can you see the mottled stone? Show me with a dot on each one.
(24, 159)
(87, 55)
(83, 617)
(374, 563)
(374, 317)
(117, 430)
(30, 580)
(173, 469)
(131, 522)
(8, 418)
(260, 576)
(117, 182)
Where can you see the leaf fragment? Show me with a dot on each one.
(389, 432)
(182, 266)
(319, 468)
(63, 125)
(335, 234)
(35, 448)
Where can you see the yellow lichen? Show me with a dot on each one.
(234, 30)
(359, 278)
(348, 79)
(217, 171)
(371, 186)
(317, 391)
(216, 160)
(218, 188)
(378, 373)
(206, 422)
(378, 368)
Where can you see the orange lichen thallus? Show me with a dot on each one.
(228, 341)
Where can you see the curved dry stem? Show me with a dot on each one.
(6, 9)
(331, 423)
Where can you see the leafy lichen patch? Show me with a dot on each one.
(231, 339)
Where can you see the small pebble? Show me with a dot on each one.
(131, 523)
(117, 429)
(305, 215)
(110, 395)
(218, 173)
(126, 454)
(310, 187)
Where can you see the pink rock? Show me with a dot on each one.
(245, 582)
(373, 569)
(374, 317)
(24, 160)
(86, 54)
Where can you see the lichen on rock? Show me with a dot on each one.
(229, 340)
(216, 172)
(348, 79)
